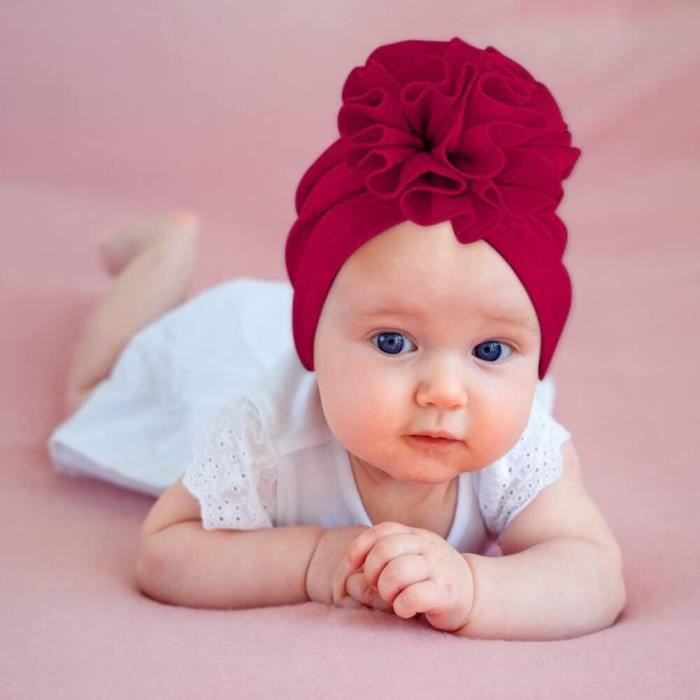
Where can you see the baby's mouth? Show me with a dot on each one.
(429, 441)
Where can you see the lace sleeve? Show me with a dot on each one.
(233, 473)
(507, 486)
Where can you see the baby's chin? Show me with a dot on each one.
(419, 465)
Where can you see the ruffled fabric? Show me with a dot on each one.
(506, 487)
(233, 473)
(455, 132)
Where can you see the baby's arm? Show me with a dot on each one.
(561, 573)
(180, 563)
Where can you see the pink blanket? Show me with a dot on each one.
(112, 111)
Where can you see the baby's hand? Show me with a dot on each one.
(410, 569)
(327, 560)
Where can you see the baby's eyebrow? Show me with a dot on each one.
(414, 311)
(509, 317)
(495, 314)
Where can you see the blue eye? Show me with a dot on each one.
(390, 343)
(492, 350)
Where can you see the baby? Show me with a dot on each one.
(369, 457)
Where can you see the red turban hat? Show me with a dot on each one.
(433, 131)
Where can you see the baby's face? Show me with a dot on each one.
(421, 333)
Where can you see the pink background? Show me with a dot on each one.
(113, 111)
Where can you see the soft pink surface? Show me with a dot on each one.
(111, 113)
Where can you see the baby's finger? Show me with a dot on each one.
(357, 587)
(363, 543)
(414, 599)
(400, 573)
(338, 588)
(389, 549)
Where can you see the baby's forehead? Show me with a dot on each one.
(416, 279)
(421, 254)
(476, 276)
(427, 300)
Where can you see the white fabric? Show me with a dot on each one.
(136, 429)
(214, 389)
(234, 474)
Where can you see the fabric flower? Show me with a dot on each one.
(455, 133)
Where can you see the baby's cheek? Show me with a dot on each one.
(500, 429)
(378, 413)
(388, 401)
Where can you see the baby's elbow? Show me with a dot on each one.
(151, 570)
(614, 590)
(620, 594)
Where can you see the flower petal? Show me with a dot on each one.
(455, 124)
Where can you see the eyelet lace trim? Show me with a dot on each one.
(233, 473)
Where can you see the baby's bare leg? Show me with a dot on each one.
(153, 267)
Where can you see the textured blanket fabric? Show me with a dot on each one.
(115, 111)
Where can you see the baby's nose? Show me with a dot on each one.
(444, 384)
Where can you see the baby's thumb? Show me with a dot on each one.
(368, 596)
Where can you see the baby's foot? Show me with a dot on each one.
(117, 249)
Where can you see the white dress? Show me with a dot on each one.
(214, 392)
